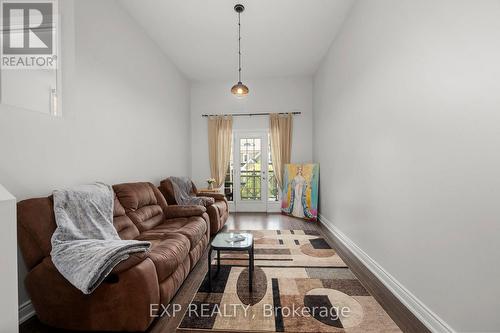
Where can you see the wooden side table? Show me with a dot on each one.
(206, 190)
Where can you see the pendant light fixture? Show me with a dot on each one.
(239, 90)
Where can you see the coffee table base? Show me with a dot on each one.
(250, 265)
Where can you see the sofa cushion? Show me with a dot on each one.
(221, 207)
(123, 224)
(184, 211)
(35, 225)
(194, 228)
(167, 253)
(167, 189)
(143, 204)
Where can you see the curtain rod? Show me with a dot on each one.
(249, 114)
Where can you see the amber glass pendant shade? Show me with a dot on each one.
(239, 90)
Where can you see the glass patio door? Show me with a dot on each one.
(250, 153)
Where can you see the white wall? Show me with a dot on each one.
(125, 112)
(266, 95)
(8, 269)
(406, 118)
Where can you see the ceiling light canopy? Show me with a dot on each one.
(239, 90)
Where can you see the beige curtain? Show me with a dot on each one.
(280, 129)
(220, 131)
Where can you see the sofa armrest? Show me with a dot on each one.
(184, 211)
(126, 298)
(216, 196)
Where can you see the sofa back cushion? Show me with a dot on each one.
(123, 224)
(143, 204)
(167, 191)
(166, 188)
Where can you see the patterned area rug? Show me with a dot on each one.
(313, 292)
(287, 248)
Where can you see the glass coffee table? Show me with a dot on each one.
(222, 242)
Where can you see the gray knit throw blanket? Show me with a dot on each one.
(183, 193)
(86, 246)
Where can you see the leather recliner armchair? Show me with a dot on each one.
(218, 212)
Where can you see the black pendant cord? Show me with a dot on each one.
(239, 48)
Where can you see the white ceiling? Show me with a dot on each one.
(279, 37)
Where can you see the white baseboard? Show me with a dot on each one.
(419, 309)
(272, 207)
(26, 311)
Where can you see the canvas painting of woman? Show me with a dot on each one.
(300, 191)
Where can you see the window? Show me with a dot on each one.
(31, 77)
(250, 168)
(250, 172)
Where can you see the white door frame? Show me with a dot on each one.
(264, 205)
(250, 205)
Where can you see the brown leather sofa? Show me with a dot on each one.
(178, 234)
(218, 212)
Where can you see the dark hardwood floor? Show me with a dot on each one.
(258, 221)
